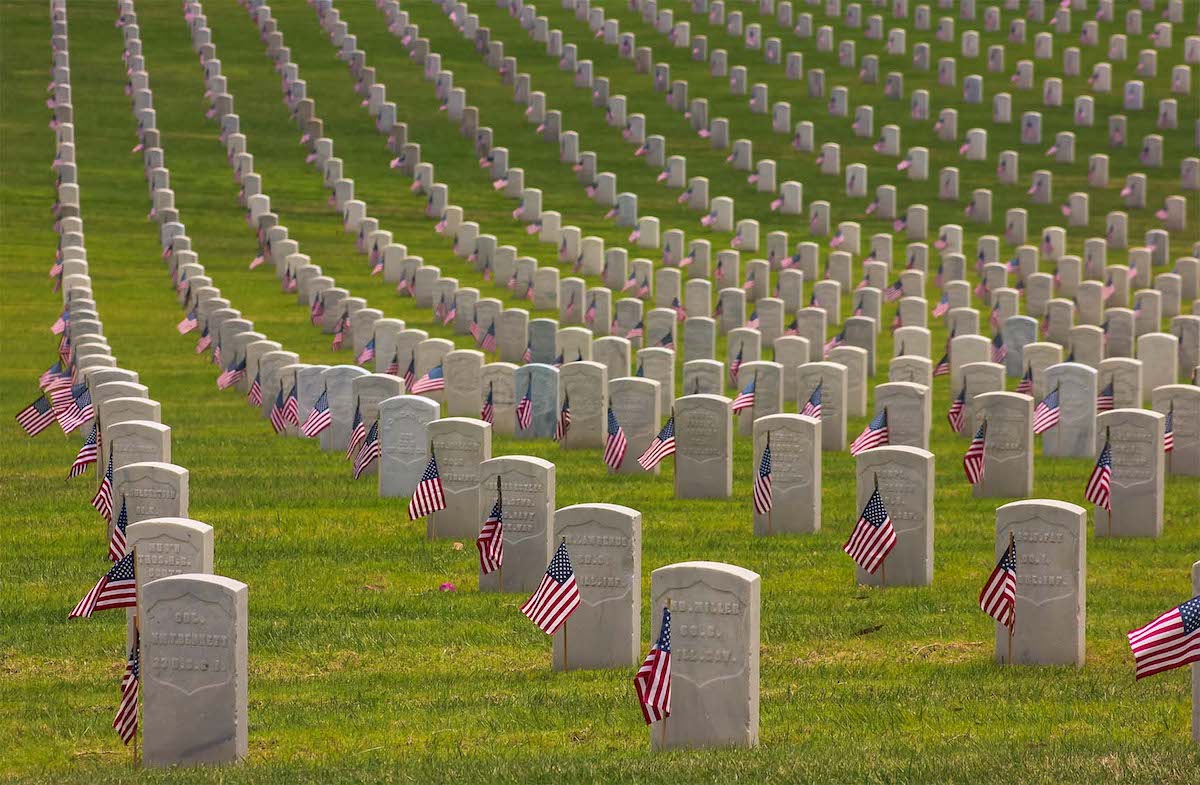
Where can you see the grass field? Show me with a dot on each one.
(361, 670)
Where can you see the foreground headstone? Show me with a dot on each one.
(1136, 487)
(194, 670)
(703, 447)
(527, 485)
(461, 445)
(605, 542)
(905, 480)
(795, 473)
(1051, 606)
(715, 619)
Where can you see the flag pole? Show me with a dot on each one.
(564, 632)
(500, 569)
(770, 522)
(1013, 621)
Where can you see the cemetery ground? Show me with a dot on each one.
(361, 668)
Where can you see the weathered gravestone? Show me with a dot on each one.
(715, 619)
(795, 443)
(703, 447)
(1051, 553)
(635, 404)
(1075, 433)
(1182, 401)
(194, 670)
(910, 412)
(605, 542)
(585, 385)
(527, 486)
(404, 442)
(904, 476)
(460, 445)
(1008, 444)
(1135, 439)
(151, 490)
(540, 382)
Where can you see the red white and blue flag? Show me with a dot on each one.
(1170, 641)
(973, 460)
(873, 537)
(1099, 484)
(117, 588)
(999, 596)
(429, 495)
(491, 540)
(557, 597)
(615, 446)
(662, 446)
(875, 434)
(87, 455)
(653, 679)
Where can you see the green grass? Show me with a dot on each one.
(360, 669)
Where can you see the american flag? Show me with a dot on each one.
(449, 313)
(1104, 401)
(556, 597)
(410, 373)
(653, 679)
(102, 501)
(37, 416)
(875, 434)
(489, 406)
(956, 414)
(999, 350)
(319, 418)
(873, 537)
(812, 408)
(358, 432)
(662, 446)
(943, 366)
(1025, 386)
(80, 411)
(1045, 416)
(1169, 430)
(339, 331)
(793, 327)
(893, 292)
(973, 460)
(61, 323)
(528, 354)
(491, 540)
(735, 365)
(432, 381)
(754, 321)
(558, 361)
(255, 394)
(429, 495)
(614, 448)
(525, 408)
(317, 312)
(748, 284)
(369, 452)
(279, 412)
(188, 323)
(87, 454)
(994, 319)
(745, 399)
(368, 353)
(564, 419)
(641, 370)
(51, 373)
(205, 340)
(126, 721)
(667, 341)
(638, 331)
(999, 596)
(233, 373)
(589, 316)
(762, 482)
(488, 342)
(393, 368)
(116, 541)
(117, 588)
(680, 311)
(834, 342)
(1099, 483)
(570, 309)
(1170, 641)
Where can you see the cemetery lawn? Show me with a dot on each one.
(361, 670)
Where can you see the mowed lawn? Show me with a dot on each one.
(361, 670)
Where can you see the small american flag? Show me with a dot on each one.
(528, 354)
(999, 350)
(279, 412)
(61, 323)
(87, 454)
(188, 323)
(875, 434)
(368, 353)
(102, 501)
(748, 284)
(1099, 484)
(410, 374)
(943, 366)
(570, 309)
(745, 399)
(489, 406)
(233, 373)
(564, 419)
(763, 498)
(491, 540)
(319, 418)
(432, 381)
(1045, 416)
(1170, 641)
(116, 542)
(449, 313)
(653, 679)
(80, 411)
(956, 415)
(358, 432)
(999, 596)
(680, 311)
(638, 331)
(559, 360)
(126, 721)
(525, 408)
(487, 341)
(339, 331)
(942, 307)
(973, 460)
(1025, 386)
(393, 368)
(1169, 430)
(117, 588)
(589, 316)
(369, 452)
(735, 365)
(317, 312)
(1104, 401)
(254, 396)
(753, 321)
(556, 597)
(893, 292)
(37, 416)
(614, 448)
(834, 343)
(812, 408)
(662, 446)
(873, 537)
(204, 342)
(429, 495)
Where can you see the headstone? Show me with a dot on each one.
(910, 412)
(1008, 444)
(703, 447)
(460, 445)
(1136, 487)
(795, 473)
(404, 442)
(528, 488)
(541, 382)
(151, 490)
